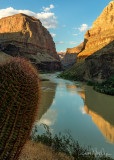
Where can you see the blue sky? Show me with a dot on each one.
(66, 20)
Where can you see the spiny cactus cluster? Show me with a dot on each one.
(19, 99)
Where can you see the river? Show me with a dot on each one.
(74, 106)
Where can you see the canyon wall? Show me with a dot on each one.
(101, 34)
(76, 49)
(22, 35)
(71, 55)
(96, 61)
(100, 65)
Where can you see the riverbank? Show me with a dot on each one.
(74, 106)
(58, 147)
(106, 87)
(39, 151)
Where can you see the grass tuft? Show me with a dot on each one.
(64, 143)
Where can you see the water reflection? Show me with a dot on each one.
(101, 108)
(100, 103)
(97, 105)
(66, 105)
(49, 118)
(105, 127)
(47, 96)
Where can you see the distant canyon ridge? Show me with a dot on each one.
(23, 35)
(69, 57)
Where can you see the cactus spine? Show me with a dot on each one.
(19, 99)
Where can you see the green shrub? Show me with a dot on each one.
(66, 144)
(106, 87)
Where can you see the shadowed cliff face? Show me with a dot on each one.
(3, 57)
(28, 39)
(100, 65)
(71, 55)
(102, 112)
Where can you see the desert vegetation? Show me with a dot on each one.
(106, 87)
(63, 146)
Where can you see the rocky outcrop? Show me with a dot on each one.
(76, 49)
(61, 55)
(69, 59)
(100, 65)
(71, 55)
(22, 35)
(101, 33)
(3, 57)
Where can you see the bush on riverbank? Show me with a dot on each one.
(64, 143)
(106, 87)
(74, 74)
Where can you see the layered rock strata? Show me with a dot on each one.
(101, 34)
(61, 55)
(71, 55)
(22, 35)
(76, 49)
(100, 65)
(96, 61)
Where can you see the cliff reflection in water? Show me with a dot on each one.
(101, 108)
(47, 96)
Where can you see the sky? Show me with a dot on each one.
(66, 20)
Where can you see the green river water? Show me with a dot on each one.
(74, 106)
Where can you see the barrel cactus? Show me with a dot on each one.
(19, 100)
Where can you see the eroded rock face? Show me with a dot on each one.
(76, 49)
(22, 35)
(101, 33)
(69, 59)
(100, 65)
(96, 61)
(71, 55)
(61, 55)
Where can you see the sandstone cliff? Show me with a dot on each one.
(61, 55)
(101, 33)
(76, 49)
(71, 55)
(22, 35)
(96, 61)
